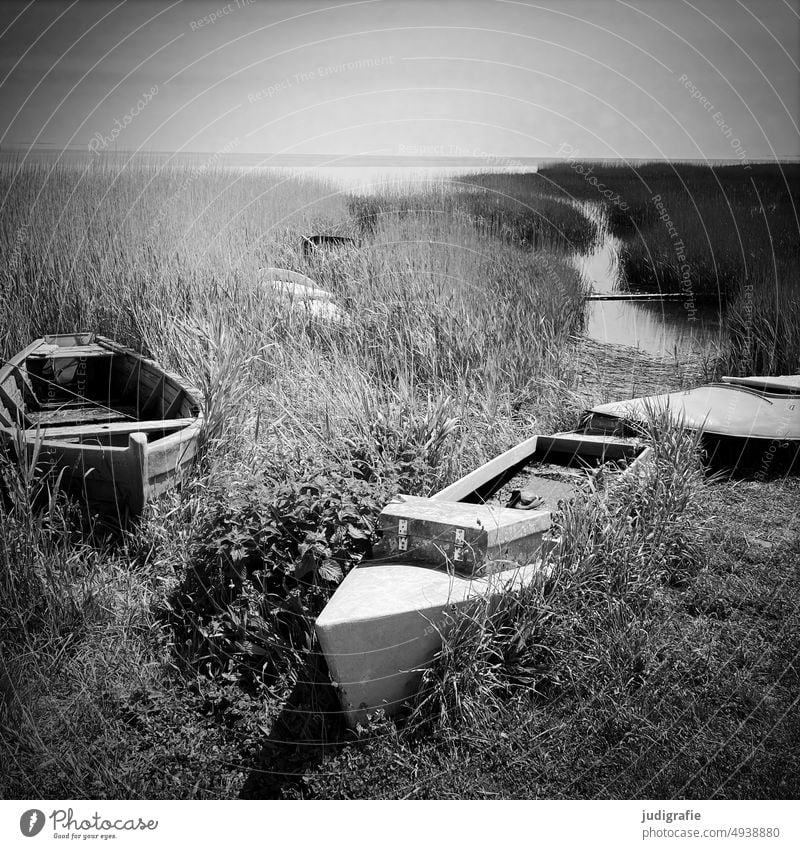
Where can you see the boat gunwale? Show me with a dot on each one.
(501, 464)
(16, 362)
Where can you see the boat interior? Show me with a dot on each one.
(79, 387)
(556, 470)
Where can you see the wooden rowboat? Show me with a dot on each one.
(383, 623)
(112, 425)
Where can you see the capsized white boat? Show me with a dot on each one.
(383, 623)
(742, 419)
(301, 293)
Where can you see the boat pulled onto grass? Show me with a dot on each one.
(486, 534)
(110, 425)
(741, 420)
(489, 532)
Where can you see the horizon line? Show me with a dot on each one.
(342, 160)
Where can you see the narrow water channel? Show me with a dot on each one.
(661, 328)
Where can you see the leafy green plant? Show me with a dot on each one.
(267, 556)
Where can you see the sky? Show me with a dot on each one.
(496, 79)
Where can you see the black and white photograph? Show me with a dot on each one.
(400, 401)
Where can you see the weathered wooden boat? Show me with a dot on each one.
(383, 623)
(745, 422)
(112, 426)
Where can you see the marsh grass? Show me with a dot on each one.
(156, 662)
(198, 622)
(724, 236)
(510, 209)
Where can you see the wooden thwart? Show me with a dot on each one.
(116, 428)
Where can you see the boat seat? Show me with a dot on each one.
(67, 351)
(115, 428)
(65, 414)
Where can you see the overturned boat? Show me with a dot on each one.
(747, 423)
(108, 424)
(483, 535)
(301, 294)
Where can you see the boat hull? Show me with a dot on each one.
(385, 623)
(747, 424)
(99, 420)
(116, 480)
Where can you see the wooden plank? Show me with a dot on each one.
(465, 486)
(157, 390)
(172, 451)
(499, 523)
(116, 427)
(12, 400)
(136, 368)
(589, 445)
(137, 454)
(74, 339)
(175, 403)
(465, 536)
(55, 352)
(20, 377)
(75, 415)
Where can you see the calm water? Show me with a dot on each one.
(663, 329)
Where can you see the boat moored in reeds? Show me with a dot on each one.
(484, 535)
(110, 425)
(742, 420)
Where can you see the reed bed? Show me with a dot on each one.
(507, 208)
(176, 659)
(724, 236)
(452, 348)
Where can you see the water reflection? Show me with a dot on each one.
(661, 328)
